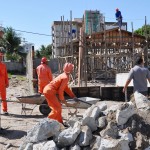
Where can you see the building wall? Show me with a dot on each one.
(61, 34)
(92, 21)
(14, 66)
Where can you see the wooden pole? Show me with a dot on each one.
(146, 49)
(80, 56)
(133, 57)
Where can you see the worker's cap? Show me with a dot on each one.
(117, 9)
(43, 60)
(68, 67)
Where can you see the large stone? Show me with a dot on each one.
(125, 111)
(90, 117)
(126, 136)
(111, 130)
(44, 129)
(102, 122)
(96, 144)
(68, 136)
(113, 144)
(85, 136)
(143, 106)
(46, 145)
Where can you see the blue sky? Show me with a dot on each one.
(37, 15)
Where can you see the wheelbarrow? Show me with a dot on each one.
(36, 99)
(44, 109)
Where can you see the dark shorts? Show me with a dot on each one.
(145, 93)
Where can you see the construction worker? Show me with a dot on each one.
(118, 17)
(44, 75)
(140, 75)
(4, 83)
(59, 85)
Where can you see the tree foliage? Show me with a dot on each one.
(45, 51)
(144, 30)
(11, 44)
(13, 40)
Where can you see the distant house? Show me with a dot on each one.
(27, 47)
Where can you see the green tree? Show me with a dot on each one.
(37, 54)
(13, 40)
(46, 50)
(144, 30)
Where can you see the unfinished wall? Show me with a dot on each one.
(14, 66)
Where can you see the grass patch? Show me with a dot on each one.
(20, 77)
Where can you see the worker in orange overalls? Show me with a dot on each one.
(3, 84)
(59, 85)
(44, 74)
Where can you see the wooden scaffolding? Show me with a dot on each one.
(104, 54)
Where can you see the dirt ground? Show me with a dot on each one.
(15, 126)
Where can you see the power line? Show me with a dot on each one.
(31, 32)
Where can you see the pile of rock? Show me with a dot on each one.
(121, 127)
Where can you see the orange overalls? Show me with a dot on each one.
(58, 86)
(44, 76)
(3, 84)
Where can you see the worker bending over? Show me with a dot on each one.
(3, 84)
(44, 75)
(59, 85)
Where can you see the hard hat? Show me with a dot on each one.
(117, 9)
(44, 60)
(68, 67)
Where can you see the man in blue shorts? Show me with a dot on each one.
(140, 75)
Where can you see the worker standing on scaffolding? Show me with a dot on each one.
(119, 17)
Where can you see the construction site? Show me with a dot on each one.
(106, 118)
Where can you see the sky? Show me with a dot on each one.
(37, 16)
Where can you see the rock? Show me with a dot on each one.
(143, 106)
(113, 144)
(29, 146)
(68, 136)
(111, 130)
(102, 122)
(126, 136)
(74, 147)
(44, 129)
(85, 136)
(96, 144)
(125, 112)
(90, 116)
(46, 145)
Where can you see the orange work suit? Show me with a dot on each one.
(3, 84)
(58, 86)
(44, 76)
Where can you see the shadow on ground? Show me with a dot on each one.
(12, 134)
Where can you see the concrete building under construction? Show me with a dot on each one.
(99, 52)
